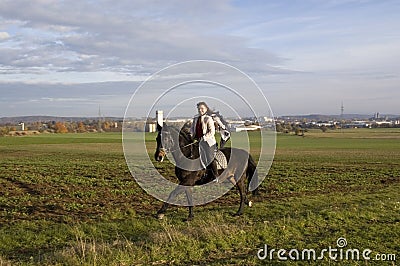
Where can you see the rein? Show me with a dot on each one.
(190, 144)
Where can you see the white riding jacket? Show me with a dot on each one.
(207, 124)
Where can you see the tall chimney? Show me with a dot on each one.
(160, 117)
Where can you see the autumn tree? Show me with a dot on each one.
(60, 128)
(106, 126)
(81, 127)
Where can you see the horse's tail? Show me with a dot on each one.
(252, 175)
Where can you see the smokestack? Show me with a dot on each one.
(160, 117)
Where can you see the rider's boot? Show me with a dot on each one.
(213, 169)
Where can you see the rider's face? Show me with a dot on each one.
(202, 109)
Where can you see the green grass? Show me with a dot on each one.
(69, 199)
(62, 139)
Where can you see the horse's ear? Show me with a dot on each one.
(187, 125)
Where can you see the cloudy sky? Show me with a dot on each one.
(68, 57)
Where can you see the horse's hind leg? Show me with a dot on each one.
(243, 195)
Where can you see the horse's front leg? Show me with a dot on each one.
(160, 213)
(179, 189)
(189, 197)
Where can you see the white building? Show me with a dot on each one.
(247, 128)
(20, 127)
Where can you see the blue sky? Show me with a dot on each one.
(69, 57)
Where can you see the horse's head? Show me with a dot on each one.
(160, 151)
(170, 139)
(165, 142)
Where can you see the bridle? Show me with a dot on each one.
(168, 150)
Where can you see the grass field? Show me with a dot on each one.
(69, 199)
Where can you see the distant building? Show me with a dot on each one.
(151, 127)
(358, 124)
(383, 123)
(160, 117)
(268, 119)
(247, 128)
(325, 123)
(151, 124)
(20, 127)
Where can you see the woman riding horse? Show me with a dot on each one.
(203, 130)
(241, 166)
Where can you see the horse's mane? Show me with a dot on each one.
(185, 138)
(184, 132)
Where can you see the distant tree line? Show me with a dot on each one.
(66, 127)
(301, 128)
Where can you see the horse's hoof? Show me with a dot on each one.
(250, 203)
(160, 216)
(237, 214)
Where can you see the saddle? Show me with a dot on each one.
(221, 160)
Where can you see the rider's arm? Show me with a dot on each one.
(219, 122)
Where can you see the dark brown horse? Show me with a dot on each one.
(240, 166)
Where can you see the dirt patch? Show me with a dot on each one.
(23, 133)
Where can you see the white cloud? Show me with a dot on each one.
(4, 35)
(88, 37)
(347, 44)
